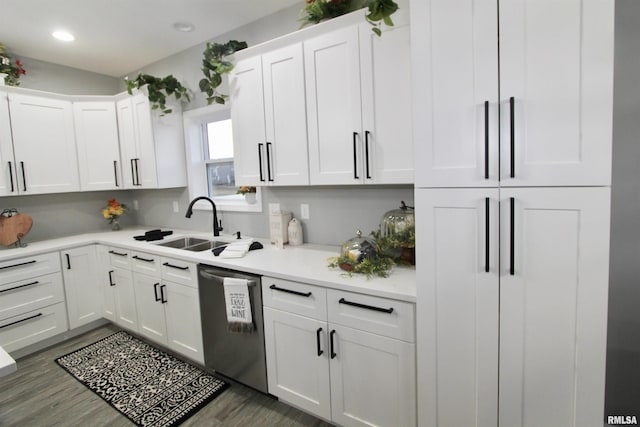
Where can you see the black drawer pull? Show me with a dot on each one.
(21, 286)
(155, 291)
(163, 299)
(176, 266)
(18, 265)
(320, 352)
(143, 259)
(68, 262)
(20, 321)
(289, 291)
(111, 282)
(118, 253)
(368, 307)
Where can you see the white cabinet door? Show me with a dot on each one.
(128, 141)
(332, 76)
(457, 317)
(455, 80)
(7, 162)
(298, 360)
(285, 117)
(386, 102)
(553, 306)
(44, 144)
(184, 327)
(82, 286)
(98, 145)
(107, 285)
(150, 309)
(248, 122)
(125, 299)
(556, 61)
(373, 379)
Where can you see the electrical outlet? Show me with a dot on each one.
(274, 208)
(304, 211)
(135, 205)
(176, 207)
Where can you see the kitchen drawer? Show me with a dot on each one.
(29, 267)
(148, 264)
(382, 316)
(120, 258)
(181, 272)
(30, 294)
(32, 327)
(295, 297)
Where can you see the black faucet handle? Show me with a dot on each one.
(238, 235)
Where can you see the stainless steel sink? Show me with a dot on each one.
(194, 244)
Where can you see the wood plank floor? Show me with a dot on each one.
(41, 393)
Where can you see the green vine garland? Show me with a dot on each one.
(378, 11)
(214, 66)
(158, 88)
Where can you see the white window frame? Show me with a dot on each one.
(194, 121)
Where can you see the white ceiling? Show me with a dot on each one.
(115, 37)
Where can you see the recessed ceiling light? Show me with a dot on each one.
(64, 36)
(184, 27)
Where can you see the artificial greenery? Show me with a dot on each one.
(214, 65)
(158, 89)
(379, 266)
(378, 11)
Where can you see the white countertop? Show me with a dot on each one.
(306, 263)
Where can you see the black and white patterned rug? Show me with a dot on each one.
(150, 387)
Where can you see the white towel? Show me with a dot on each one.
(238, 305)
(236, 249)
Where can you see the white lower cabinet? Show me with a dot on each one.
(345, 357)
(32, 305)
(126, 314)
(82, 285)
(149, 304)
(182, 313)
(512, 320)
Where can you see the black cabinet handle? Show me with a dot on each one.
(512, 111)
(133, 173)
(137, 163)
(68, 262)
(289, 291)
(163, 300)
(333, 353)
(355, 156)
(366, 153)
(143, 259)
(260, 145)
(118, 253)
(368, 307)
(486, 139)
(11, 177)
(175, 266)
(18, 265)
(111, 282)
(24, 178)
(320, 352)
(115, 172)
(486, 234)
(18, 287)
(155, 291)
(20, 321)
(269, 177)
(512, 238)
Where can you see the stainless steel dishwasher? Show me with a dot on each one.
(239, 356)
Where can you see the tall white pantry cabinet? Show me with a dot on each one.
(513, 175)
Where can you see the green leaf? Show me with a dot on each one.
(377, 30)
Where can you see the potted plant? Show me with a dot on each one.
(214, 65)
(249, 194)
(158, 88)
(10, 70)
(378, 11)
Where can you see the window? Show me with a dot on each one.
(209, 145)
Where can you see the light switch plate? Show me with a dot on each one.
(304, 211)
(176, 207)
(274, 208)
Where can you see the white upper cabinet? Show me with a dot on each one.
(385, 69)
(269, 119)
(7, 162)
(44, 144)
(151, 145)
(98, 145)
(332, 68)
(552, 101)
